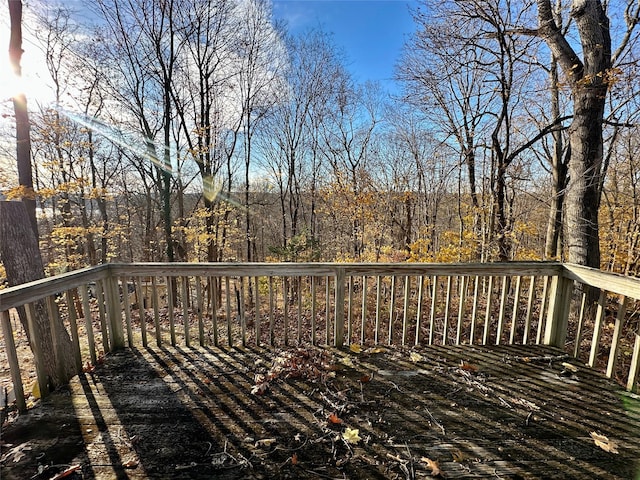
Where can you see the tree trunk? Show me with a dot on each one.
(589, 85)
(553, 243)
(20, 255)
(23, 139)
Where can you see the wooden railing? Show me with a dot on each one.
(334, 304)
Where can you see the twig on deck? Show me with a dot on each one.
(435, 421)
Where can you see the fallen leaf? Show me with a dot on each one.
(604, 443)
(458, 456)
(376, 350)
(333, 418)
(347, 361)
(67, 472)
(365, 379)
(130, 464)
(265, 442)
(355, 348)
(294, 459)
(18, 452)
(351, 435)
(570, 367)
(259, 389)
(433, 465)
(415, 357)
(468, 367)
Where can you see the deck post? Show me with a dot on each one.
(558, 313)
(339, 318)
(114, 312)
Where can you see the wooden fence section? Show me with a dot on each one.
(116, 305)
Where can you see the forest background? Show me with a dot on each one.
(189, 130)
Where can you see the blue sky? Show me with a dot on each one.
(371, 32)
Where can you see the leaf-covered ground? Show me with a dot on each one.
(308, 412)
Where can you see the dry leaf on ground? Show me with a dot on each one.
(17, 452)
(570, 367)
(333, 418)
(415, 357)
(604, 443)
(265, 442)
(351, 435)
(347, 361)
(355, 348)
(433, 466)
(468, 367)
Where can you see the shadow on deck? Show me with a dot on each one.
(499, 412)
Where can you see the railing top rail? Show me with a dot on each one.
(323, 269)
(28, 292)
(611, 282)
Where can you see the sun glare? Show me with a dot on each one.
(30, 83)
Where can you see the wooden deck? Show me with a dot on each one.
(479, 412)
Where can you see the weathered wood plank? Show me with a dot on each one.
(363, 318)
(339, 307)
(73, 326)
(529, 315)
(612, 282)
(392, 310)
(184, 300)
(156, 309)
(515, 314)
(88, 322)
(503, 308)
(127, 309)
(141, 310)
(421, 281)
(199, 306)
(12, 358)
(597, 328)
(617, 331)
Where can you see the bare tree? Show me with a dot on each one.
(589, 78)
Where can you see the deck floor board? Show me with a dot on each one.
(480, 412)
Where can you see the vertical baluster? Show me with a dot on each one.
(529, 315)
(434, 305)
(487, 316)
(447, 306)
(156, 310)
(503, 307)
(314, 310)
(141, 311)
(88, 322)
(514, 313)
(127, 310)
(12, 358)
(256, 314)
(474, 309)
(405, 316)
(597, 328)
(199, 307)
(378, 307)
(363, 318)
(185, 309)
(392, 308)
(419, 309)
(617, 331)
